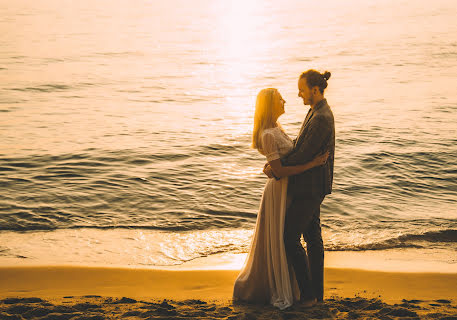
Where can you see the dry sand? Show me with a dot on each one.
(70, 292)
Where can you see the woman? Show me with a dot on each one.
(266, 276)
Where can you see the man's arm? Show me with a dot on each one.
(277, 170)
(311, 145)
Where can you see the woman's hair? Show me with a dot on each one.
(315, 78)
(267, 100)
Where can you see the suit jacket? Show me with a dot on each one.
(316, 136)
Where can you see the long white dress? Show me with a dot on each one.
(266, 276)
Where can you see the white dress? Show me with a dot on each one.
(266, 276)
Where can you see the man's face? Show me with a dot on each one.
(304, 92)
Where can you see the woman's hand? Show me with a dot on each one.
(267, 170)
(321, 159)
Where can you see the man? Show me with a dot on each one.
(308, 189)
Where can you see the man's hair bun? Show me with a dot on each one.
(315, 78)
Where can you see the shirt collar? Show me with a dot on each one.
(320, 104)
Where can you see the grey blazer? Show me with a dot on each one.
(316, 136)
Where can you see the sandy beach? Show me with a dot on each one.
(78, 292)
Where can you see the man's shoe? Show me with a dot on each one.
(308, 303)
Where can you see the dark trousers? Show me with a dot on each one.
(303, 218)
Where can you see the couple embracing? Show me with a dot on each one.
(278, 269)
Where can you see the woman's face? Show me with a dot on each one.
(279, 108)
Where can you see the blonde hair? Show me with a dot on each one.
(267, 100)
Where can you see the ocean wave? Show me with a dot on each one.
(45, 88)
(221, 150)
(219, 185)
(421, 240)
(23, 221)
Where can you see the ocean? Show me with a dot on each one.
(125, 126)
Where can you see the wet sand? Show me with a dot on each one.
(76, 292)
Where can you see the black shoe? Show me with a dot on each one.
(308, 303)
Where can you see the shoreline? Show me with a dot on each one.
(391, 260)
(198, 248)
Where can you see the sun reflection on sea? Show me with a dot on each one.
(239, 48)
